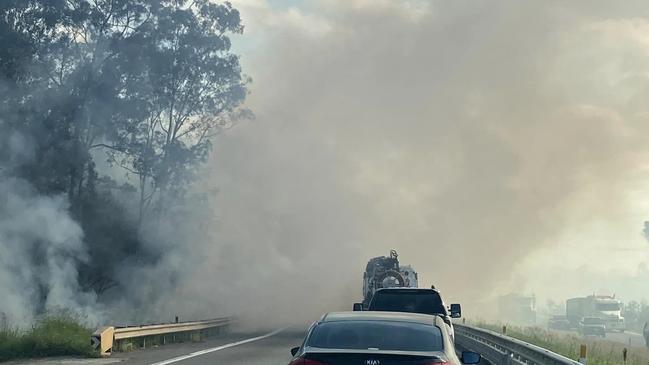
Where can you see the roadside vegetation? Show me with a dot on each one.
(58, 334)
(600, 351)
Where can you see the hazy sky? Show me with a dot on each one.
(498, 146)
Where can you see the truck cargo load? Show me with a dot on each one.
(385, 272)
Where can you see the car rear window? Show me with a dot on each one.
(426, 302)
(381, 335)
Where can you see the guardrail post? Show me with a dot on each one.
(102, 340)
(583, 355)
(507, 358)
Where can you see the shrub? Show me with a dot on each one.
(58, 334)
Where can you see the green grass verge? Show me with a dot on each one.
(51, 335)
(600, 352)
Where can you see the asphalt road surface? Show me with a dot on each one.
(270, 348)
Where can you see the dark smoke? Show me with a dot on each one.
(108, 110)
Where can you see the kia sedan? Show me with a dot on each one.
(379, 338)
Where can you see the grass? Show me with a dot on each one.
(600, 352)
(58, 334)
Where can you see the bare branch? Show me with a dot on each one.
(103, 145)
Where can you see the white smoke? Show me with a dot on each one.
(466, 134)
(40, 249)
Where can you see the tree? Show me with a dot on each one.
(188, 84)
(149, 81)
(632, 312)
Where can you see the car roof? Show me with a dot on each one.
(426, 319)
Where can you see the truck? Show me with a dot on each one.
(518, 309)
(385, 272)
(605, 307)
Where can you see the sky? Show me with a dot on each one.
(498, 146)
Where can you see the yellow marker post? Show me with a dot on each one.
(102, 340)
(583, 355)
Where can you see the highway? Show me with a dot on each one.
(249, 348)
(268, 348)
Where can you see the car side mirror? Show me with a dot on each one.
(470, 357)
(294, 350)
(456, 310)
(358, 307)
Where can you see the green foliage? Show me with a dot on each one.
(52, 335)
(600, 352)
(636, 315)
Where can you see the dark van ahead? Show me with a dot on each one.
(413, 300)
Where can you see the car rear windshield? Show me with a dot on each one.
(414, 301)
(381, 335)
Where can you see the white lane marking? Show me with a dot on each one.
(213, 349)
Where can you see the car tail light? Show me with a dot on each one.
(312, 362)
(306, 362)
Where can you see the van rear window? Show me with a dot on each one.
(425, 302)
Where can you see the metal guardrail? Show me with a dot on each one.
(501, 349)
(105, 338)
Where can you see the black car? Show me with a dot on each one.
(558, 322)
(379, 338)
(592, 326)
(414, 300)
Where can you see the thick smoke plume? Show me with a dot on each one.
(498, 146)
(467, 135)
(41, 247)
